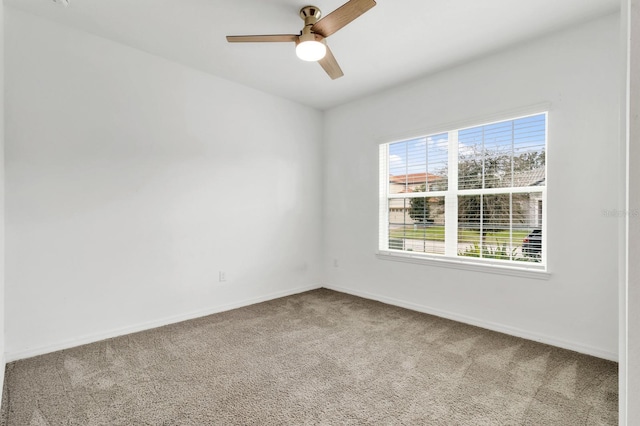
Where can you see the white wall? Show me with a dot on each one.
(623, 244)
(132, 181)
(633, 292)
(577, 72)
(2, 214)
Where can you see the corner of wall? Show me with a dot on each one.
(2, 348)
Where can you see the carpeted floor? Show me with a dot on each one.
(319, 357)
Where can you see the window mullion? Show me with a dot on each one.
(426, 167)
(383, 243)
(451, 199)
(511, 223)
(483, 155)
(513, 151)
(481, 222)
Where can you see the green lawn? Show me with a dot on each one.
(436, 233)
(432, 233)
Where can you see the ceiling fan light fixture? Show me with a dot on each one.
(310, 42)
(310, 48)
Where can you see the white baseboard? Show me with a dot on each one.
(501, 328)
(66, 344)
(577, 347)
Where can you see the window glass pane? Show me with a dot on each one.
(397, 168)
(469, 223)
(417, 224)
(495, 232)
(398, 217)
(438, 162)
(418, 165)
(498, 154)
(484, 226)
(527, 226)
(502, 155)
(529, 151)
(470, 158)
(500, 226)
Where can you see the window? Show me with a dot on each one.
(473, 194)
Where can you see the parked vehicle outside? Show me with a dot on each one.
(532, 244)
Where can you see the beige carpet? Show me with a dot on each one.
(315, 358)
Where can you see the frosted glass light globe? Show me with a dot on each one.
(311, 50)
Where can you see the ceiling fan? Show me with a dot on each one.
(310, 43)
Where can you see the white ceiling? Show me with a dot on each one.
(394, 42)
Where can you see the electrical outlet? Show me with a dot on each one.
(222, 276)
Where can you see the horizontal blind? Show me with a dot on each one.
(495, 226)
(504, 154)
(418, 165)
(417, 224)
(500, 191)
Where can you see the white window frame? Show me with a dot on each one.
(450, 259)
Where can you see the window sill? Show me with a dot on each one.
(469, 265)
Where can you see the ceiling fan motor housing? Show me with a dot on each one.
(309, 13)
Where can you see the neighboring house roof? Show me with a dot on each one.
(535, 177)
(414, 178)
